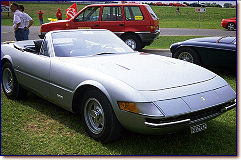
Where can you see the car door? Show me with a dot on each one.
(136, 19)
(87, 19)
(112, 19)
(33, 70)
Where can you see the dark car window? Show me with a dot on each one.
(133, 13)
(89, 14)
(112, 14)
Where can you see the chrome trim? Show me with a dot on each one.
(166, 124)
(142, 32)
(230, 107)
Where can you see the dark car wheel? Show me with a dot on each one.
(187, 54)
(231, 26)
(133, 42)
(10, 85)
(98, 117)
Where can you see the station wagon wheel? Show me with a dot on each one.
(10, 85)
(231, 26)
(132, 41)
(187, 54)
(99, 118)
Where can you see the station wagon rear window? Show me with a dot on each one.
(133, 13)
(152, 12)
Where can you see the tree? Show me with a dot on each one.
(227, 5)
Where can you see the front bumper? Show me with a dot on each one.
(192, 118)
(180, 112)
(158, 125)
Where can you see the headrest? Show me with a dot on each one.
(38, 44)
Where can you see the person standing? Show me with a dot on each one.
(28, 21)
(178, 11)
(59, 14)
(18, 25)
(40, 16)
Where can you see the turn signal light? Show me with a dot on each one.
(128, 106)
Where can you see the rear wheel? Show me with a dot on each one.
(187, 54)
(132, 41)
(99, 118)
(10, 85)
(231, 26)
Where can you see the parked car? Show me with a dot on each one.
(229, 24)
(136, 24)
(94, 73)
(197, 5)
(208, 51)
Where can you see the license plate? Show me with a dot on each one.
(198, 128)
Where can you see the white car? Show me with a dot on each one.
(94, 73)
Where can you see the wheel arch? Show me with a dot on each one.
(82, 88)
(188, 46)
(5, 59)
(131, 33)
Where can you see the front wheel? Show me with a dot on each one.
(133, 42)
(187, 54)
(99, 118)
(10, 85)
(231, 26)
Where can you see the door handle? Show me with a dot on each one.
(121, 24)
(96, 25)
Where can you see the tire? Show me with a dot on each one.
(187, 54)
(132, 41)
(231, 26)
(98, 117)
(10, 85)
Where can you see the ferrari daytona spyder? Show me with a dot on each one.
(94, 73)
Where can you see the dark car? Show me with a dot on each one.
(229, 24)
(197, 5)
(208, 51)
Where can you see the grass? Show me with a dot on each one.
(164, 42)
(168, 18)
(36, 127)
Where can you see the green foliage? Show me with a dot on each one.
(211, 19)
(167, 15)
(164, 42)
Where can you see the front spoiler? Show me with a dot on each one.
(190, 121)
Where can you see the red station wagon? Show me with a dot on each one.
(136, 24)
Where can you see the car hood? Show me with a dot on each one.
(206, 39)
(146, 72)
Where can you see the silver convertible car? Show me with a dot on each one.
(112, 87)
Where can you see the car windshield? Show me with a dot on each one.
(73, 43)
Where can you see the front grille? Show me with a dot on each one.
(207, 113)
